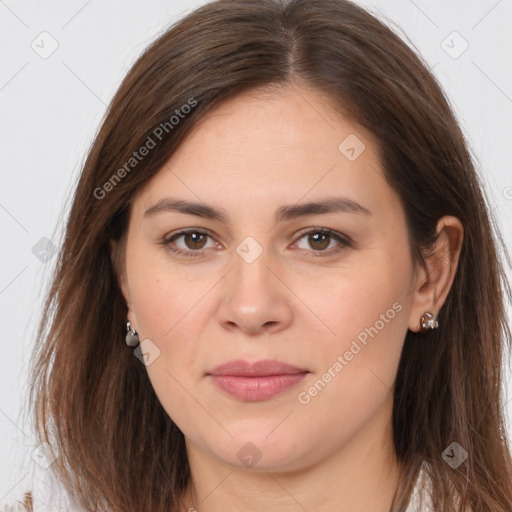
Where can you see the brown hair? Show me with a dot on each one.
(117, 447)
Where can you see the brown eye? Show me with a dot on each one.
(194, 240)
(319, 241)
(189, 242)
(323, 242)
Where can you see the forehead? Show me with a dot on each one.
(272, 146)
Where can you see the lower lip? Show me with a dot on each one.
(256, 388)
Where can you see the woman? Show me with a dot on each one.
(280, 219)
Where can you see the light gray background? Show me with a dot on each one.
(51, 108)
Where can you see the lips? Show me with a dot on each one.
(262, 368)
(259, 380)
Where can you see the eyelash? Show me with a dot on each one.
(344, 241)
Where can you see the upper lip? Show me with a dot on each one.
(262, 368)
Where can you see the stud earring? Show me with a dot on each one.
(428, 321)
(132, 338)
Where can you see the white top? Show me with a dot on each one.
(420, 503)
(49, 496)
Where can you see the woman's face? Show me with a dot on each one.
(297, 252)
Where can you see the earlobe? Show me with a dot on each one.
(434, 281)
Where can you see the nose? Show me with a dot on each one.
(255, 300)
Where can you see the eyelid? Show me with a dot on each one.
(329, 231)
(165, 242)
(344, 240)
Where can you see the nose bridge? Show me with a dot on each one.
(253, 297)
(251, 274)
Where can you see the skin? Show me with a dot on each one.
(250, 156)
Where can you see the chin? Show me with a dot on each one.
(259, 451)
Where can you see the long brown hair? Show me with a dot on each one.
(93, 402)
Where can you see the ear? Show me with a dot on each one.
(116, 250)
(433, 283)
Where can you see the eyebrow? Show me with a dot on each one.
(284, 213)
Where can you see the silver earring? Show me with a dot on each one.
(132, 338)
(428, 321)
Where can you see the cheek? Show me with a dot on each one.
(168, 313)
(164, 296)
(366, 311)
(356, 367)
(171, 311)
(365, 299)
